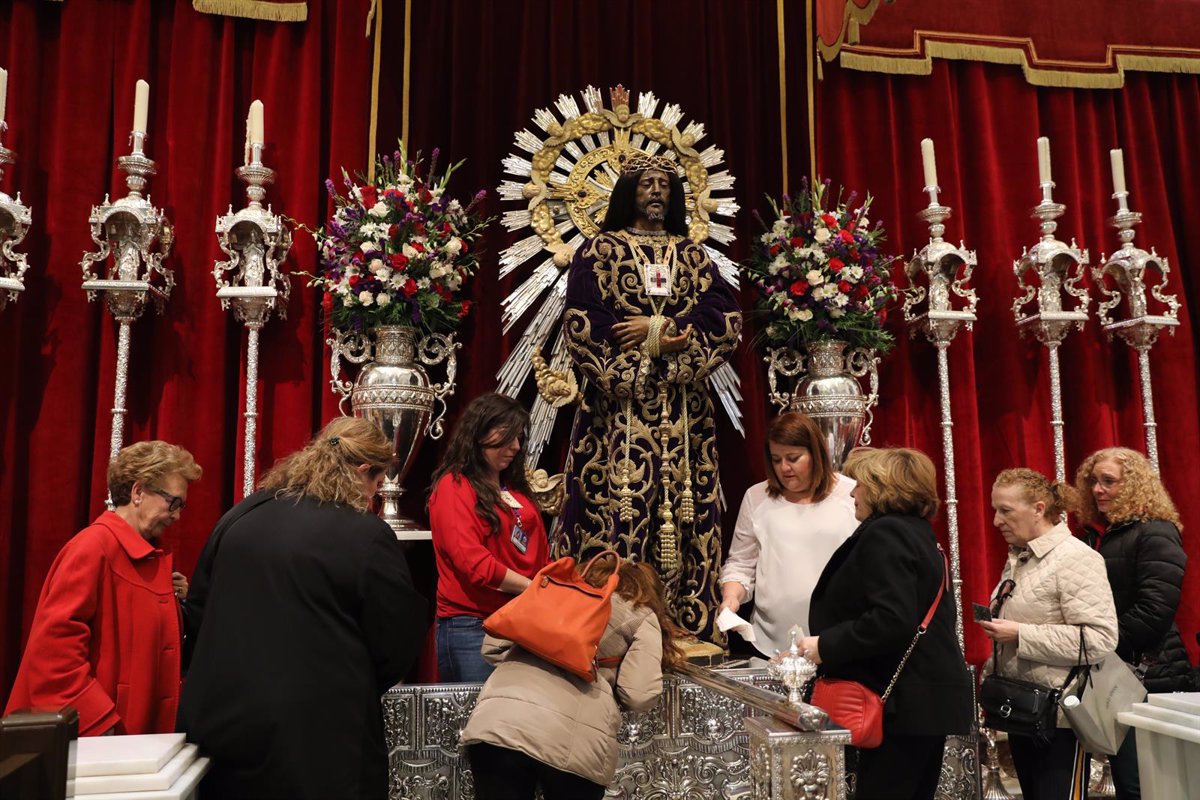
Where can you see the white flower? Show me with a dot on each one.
(343, 289)
(805, 314)
(814, 277)
(853, 274)
(822, 235)
(453, 281)
(454, 246)
(409, 252)
(841, 300)
(380, 209)
(836, 312)
(368, 246)
(423, 283)
(778, 264)
(767, 237)
(398, 280)
(377, 267)
(383, 299)
(778, 229)
(365, 297)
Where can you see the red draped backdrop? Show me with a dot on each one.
(478, 71)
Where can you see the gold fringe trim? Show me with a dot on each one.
(1012, 52)
(809, 63)
(254, 9)
(376, 13)
(783, 137)
(407, 70)
(852, 18)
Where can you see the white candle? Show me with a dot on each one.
(929, 162)
(3, 91)
(256, 122)
(246, 159)
(141, 105)
(1118, 170)
(1043, 159)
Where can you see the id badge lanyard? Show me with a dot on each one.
(520, 538)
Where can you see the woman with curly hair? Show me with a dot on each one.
(1130, 519)
(537, 726)
(488, 536)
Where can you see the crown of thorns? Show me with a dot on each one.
(644, 161)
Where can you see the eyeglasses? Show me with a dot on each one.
(1003, 593)
(174, 503)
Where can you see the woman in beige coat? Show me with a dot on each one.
(1053, 590)
(538, 726)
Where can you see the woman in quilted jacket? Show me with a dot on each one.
(1131, 521)
(1053, 591)
(538, 726)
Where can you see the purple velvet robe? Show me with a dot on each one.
(631, 400)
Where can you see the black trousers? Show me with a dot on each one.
(503, 774)
(901, 768)
(1054, 771)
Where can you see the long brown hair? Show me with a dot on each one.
(326, 470)
(464, 453)
(794, 429)
(638, 583)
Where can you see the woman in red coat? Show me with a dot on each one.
(488, 536)
(106, 633)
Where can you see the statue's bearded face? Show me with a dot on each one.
(653, 195)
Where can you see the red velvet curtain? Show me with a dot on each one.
(984, 120)
(71, 73)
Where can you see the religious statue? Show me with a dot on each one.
(648, 318)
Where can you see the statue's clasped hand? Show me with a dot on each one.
(632, 332)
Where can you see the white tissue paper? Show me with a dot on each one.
(729, 621)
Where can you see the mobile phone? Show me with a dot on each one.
(982, 612)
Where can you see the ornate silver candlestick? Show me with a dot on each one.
(1127, 267)
(138, 236)
(1059, 268)
(252, 283)
(15, 219)
(939, 320)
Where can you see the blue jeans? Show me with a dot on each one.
(1126, 777)
(459, 650)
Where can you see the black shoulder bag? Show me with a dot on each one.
(1019, 707)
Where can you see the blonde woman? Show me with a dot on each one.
(110, 578)
(1052, 591)
(1129, 517)
(306, 616)
(866, 608)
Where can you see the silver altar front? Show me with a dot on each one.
(699, 743)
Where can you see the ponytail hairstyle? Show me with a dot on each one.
(639, 583)
(1060, 498)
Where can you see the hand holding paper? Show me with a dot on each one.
(729, 621)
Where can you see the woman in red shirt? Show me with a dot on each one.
(106, 633)
(488, 536)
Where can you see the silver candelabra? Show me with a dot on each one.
(1059, 268)
(252, 283)
(138, 236)
(15, 219)
(1128, 267)
(947, 269)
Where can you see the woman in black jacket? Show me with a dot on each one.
(1130, 519)
(866, 608)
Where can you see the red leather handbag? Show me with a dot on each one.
(559, 617)
(855, 707)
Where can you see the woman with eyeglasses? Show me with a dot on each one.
(1129, 518)
(112, 579)
(488, 535)
(1052, 591)
(307, 615)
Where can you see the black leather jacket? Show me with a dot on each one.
(1145, 562)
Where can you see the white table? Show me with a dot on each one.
(1168, 742)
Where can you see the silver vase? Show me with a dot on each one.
(829, 392)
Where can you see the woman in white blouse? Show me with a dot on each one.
(788, 527)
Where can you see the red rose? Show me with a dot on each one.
(775, 249)
(445, 227)
(399, 261)
(830, 220)
(420, 248)
(844, 287)
(464, 247)
(847, 237)
(853, 253)
(797, 242)
(442, 292)
(425, 195)
(835, 265)
(409, 288)
(419, 228)
(466, 306)
(798, 288)
(369, 197)
(851, 224)
(861, 292)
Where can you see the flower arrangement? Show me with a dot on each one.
(820, 274)
(397, 250)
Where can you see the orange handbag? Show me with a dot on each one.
(559, 617)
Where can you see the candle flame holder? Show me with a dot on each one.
(15, 219)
